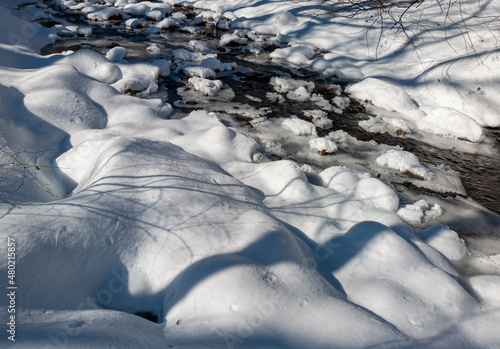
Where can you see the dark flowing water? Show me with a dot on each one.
(480, 174)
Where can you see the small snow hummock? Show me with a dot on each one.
(300, 127)
(205, 86)
(274, 97)
(386, 96)
(117, 54)
(199, 46)
(184, 55)
(405, 162)
(164, 67)
(201, 72)
(133, 23)
(156, 14)
(319, 118)
(215, 64)
(487, 287)
(419, 212)
(167, 23)
(232, 39)
(106, 14)
(297, 90)
(341, 178)
(84, 31)
(341, 102)
(153, 49)
(450, 122)
(445, 240)
(296, 54)
(323, 145)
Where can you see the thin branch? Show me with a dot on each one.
(26, 167)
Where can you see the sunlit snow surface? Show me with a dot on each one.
(184, 221)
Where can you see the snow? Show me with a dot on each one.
(199, 46)
(153, 49)
(386, 96)
(451, 123)
(228, 39)
(201, 72)
(188, 56)
(340, 178)
(117, 54)
(299, 127)
(84, 31)
(215, 64)
(284, 85)
(183, 218)
(297, 54)
(323, 145)
(164, 67)
(167, 23)
(205, 86)
(319, 118)
(106, 14)
(445, 240)
(419, 212)
(404, 162)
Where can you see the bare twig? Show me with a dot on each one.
(394, 15)
(27, 167)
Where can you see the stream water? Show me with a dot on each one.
(478, 171)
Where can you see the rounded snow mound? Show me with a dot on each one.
(299, 127)
(386, 96)
(341, 178)
(404, 162)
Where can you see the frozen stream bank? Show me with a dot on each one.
(247, 98)
(198, 191)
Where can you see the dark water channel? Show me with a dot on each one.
(480, 174)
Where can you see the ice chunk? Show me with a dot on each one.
(419, 212)
(300, 127)
(205, 86)
(319, 118)
(284, 85)
(323, 145)
(188, 56)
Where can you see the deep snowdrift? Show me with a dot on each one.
(177, 220)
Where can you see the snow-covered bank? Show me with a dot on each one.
(449, 67)
(179, 221)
